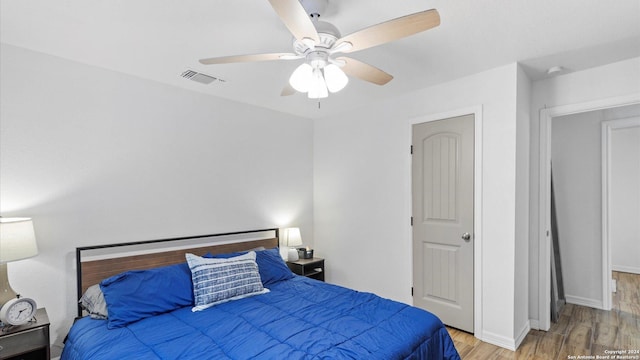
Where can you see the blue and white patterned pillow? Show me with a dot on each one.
(220, 280)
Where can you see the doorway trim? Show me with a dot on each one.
(544, 204)
(477, 201)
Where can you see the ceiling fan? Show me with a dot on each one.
(320, 43)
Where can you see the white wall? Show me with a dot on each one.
(610, 81)
(624, 212)
(576, 157)
(521, 280)
(362, 194)
(95, 157)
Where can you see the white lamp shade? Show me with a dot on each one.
(301, 78)
(17, 239)
(293, 237)
(336, 78)
(318, 88)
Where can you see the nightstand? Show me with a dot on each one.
(27, 342)
(311, 268)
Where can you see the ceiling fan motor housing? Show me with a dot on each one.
(328, 35)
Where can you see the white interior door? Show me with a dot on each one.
(442, 191)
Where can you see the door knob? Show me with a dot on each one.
(466, 236)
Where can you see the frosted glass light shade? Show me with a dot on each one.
(336, 78)
(17, 239)
(300, 79)
(317, 81)
(318, 88)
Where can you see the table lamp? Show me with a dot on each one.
(293, 239)
(17, 242)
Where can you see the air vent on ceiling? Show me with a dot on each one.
(199, 77)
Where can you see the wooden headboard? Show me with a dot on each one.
(95, 263)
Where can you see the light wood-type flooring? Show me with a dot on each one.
(580, 331)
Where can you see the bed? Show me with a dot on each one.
(160, 307)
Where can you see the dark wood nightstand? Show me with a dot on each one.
(311, 268)
(27, 342)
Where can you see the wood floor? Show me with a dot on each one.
(579, 331)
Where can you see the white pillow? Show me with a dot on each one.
(217, 280)
(93, 302)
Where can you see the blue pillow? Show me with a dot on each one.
(270, 265)
(135, 295)
(218, 280)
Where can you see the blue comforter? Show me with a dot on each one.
(299, 319)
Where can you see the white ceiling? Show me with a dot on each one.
(159, 39)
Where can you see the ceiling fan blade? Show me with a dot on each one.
(391, 30)
(249, 58)
(364, 71)
(287, 90)
(296, 19)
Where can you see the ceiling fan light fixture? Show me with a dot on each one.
(301, 78)
(317, 86)
(335, 78)
(316, 41)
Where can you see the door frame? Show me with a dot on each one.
(476, 111)
(544, 205)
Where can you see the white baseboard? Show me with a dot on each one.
(626, 269)
(499, 340)
(523, 333)
(535, 324)
(506, 342)
(577, 300)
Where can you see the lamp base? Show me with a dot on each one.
(6, 292)
(292, 255)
